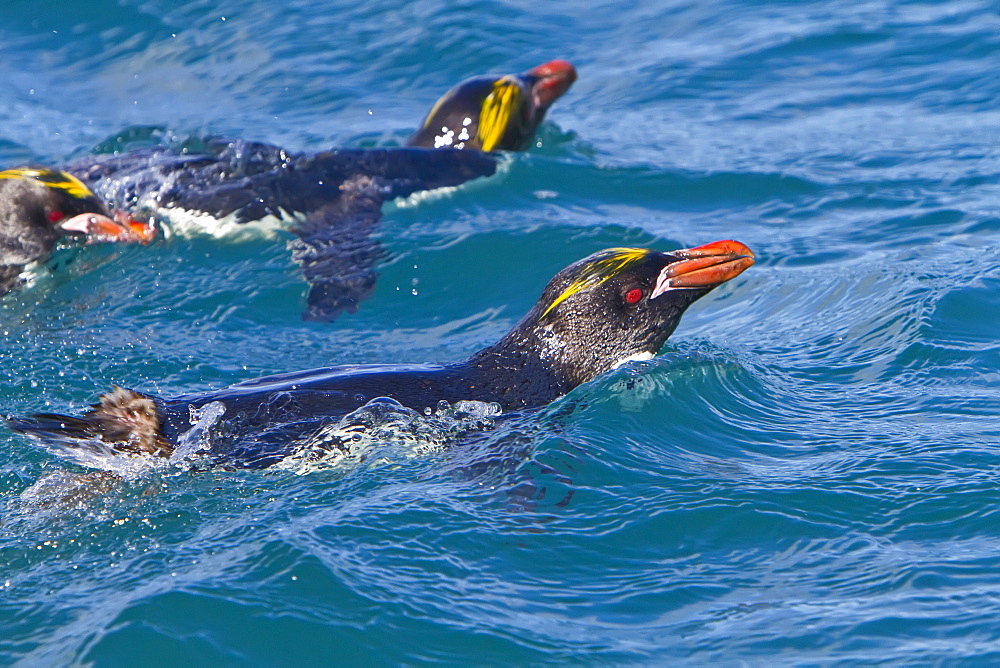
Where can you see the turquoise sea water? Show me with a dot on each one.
(807, 473)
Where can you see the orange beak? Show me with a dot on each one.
(552, 80)
(99, 228)
(704, 267)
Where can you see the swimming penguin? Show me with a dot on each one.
(40, 206)
(613, 307)
(332, 200)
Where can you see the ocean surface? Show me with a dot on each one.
(809, 472)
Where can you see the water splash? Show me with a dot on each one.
(384, 431)
(195, 442)
(93, 453)
(62, 491)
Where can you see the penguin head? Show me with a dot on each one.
(52, 203)
(622, 304)
(495, 113)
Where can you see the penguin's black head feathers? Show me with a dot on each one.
(494, 113)
(621, 304)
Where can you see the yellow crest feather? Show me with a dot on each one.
(607, 264)
(51, 178)
(505, 98)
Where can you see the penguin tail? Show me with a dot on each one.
(126, 421)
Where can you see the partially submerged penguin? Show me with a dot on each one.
(40, 206)
(495, 114)
(333, 199)
(613, 307)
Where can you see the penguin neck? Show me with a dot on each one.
(525, 368)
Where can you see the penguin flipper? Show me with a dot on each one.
(336, 243)
(338, 250)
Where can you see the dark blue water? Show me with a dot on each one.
(807, 473)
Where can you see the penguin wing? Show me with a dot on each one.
(336, 245)
(337, 250)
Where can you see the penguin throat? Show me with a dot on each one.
(635, 357)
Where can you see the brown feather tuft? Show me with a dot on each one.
(130, 420)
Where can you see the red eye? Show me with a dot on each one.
(55, 216)
(634, 295)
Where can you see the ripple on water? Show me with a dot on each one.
(808, 471)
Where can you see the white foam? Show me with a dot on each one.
(195, 441)
(384, 431)
(94, 453)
